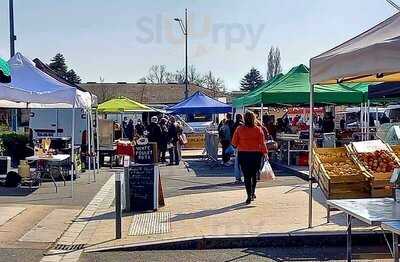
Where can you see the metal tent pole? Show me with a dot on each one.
(92, 145)
(88, 137)
(365, 121)
(368, 118)
(97, 142)
(73, 150)
(262, 113)
(362, 121)
(310, 155)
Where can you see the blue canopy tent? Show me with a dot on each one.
(384, 91)
(200, 103)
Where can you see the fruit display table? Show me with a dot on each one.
(359, 170)
(394, 228)
(373, 211)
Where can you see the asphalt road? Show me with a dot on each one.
(196, 176)
(237, 255)
(20, 255)
(46, 197)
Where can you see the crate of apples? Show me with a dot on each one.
(379, 161)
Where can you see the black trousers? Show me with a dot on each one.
(174, 154)
(250, 163)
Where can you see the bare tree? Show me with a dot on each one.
(103, 93)
(214, 83)
(158, 74)
(194, 77)
(274, 62)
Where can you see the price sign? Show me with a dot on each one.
(145, 154)
(143, 187)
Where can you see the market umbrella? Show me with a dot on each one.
(384, 92)
(5, 72)
(294, 89)
(372, 56)
(200, 103)
(123, 104)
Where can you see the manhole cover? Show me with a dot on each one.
(150, 224)
(69, 247)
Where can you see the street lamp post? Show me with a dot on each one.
(12, 48)
(184, 28)
(12, 35)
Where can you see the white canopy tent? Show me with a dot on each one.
(372, 56)
(32, 88)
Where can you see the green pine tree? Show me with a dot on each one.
(59, 65)
(72, 77)
(251, 80)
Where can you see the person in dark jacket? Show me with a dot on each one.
(173, 139)
(125, 127)
(384, 119)
(238, 122)
(237, 171)
(225, 131)
(154, 131)
(139, 128)
(163, 142)
(130, 130)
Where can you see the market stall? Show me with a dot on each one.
(292, 90)
(201, 103)
(120, 106)
(31, 88)
(369, 57)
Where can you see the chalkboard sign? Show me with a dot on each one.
(143, 187)
(146, 154)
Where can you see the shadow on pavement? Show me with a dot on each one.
(202, 168)
(300, 254)
(16, 191)
(212, 186)
(211, 212)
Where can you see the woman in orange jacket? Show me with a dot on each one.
(250, 142)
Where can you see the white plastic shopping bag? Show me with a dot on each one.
(266, 172)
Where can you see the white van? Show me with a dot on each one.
(51, 122)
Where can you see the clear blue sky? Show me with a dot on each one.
(120, 39)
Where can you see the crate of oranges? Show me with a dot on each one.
(337, 174)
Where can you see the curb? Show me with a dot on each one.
(253, 241)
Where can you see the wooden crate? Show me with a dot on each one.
(380, 182)
(339, 187)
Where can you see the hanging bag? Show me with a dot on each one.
(266, 172)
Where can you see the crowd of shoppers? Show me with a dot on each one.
(166, 133)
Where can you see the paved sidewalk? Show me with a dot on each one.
(31, 221)
(279, 210)
(79, 233)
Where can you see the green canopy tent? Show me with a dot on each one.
(254, 96)
(123, 105)
(5, 72)
(294, 89)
